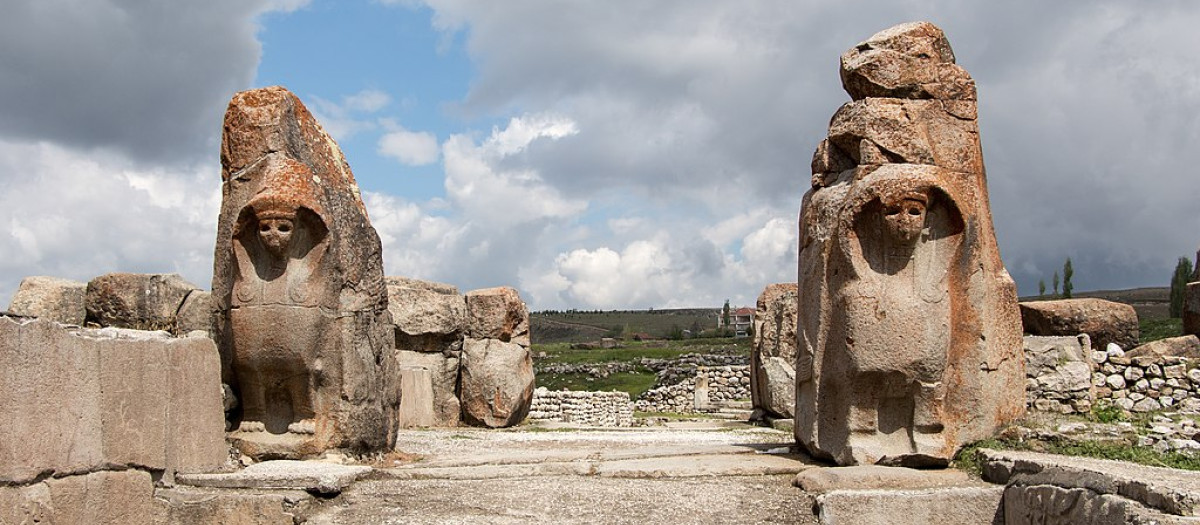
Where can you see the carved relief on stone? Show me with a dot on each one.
(908, 335)
(300, 303)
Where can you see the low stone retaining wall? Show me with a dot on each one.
(703, 392)
(1065, 375)
(602, 409)
(1146, 384)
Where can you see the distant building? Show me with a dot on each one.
(740, 321)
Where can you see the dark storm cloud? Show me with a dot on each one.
(1089, 111)
(144, 78)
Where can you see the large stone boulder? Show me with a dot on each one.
(909, 336)
(429, 316)
(59, 300)
(497, 383)
(145, 301)
(300, 304)
(1104, 321)
(773, 358)
(497, 313)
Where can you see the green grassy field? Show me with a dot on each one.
(576, 326)
(636, 382)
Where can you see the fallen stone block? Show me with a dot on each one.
(1168, 490)
(312, 476)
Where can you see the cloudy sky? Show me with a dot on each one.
(591, 154)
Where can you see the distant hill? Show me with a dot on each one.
(581, 326)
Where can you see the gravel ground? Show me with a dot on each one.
(574, 500)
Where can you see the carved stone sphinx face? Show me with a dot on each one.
(275, 232)
(904, 219)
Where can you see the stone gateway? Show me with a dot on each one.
(909, 336)
(300, 304)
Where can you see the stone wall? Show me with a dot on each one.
(1058, 374)
(704, 392)
(1146, 384)
(92, 417)
(1057, 366)
(601, 409)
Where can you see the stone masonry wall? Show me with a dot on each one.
(717, 384)
(1146, 384)
(92, 417)
(601, 409)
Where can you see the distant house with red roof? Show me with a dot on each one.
(741, 321)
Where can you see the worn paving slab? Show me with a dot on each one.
(572, 500)
(948, 505)
(827, 479)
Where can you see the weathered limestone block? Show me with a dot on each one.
(909, 336)
(444, 378)
(103, 497)
(1104, 321)
(496, 387)
(145, 301)
(98, 497)
(1183, 346)
(1060, 369)
(497, 313)
(195, 313)
(91, 399)
(429, 316)
(50, 384)
(1053, 505)
(416, 398)
(772, 361)
(183, 505)
(300, 305)
(51, 298)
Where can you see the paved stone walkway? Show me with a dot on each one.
(711, 472)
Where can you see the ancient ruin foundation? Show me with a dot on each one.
(909, 333)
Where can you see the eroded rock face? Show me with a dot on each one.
(51, 298)
(145, 301)
(300, 305)
(1104, 321)
(772, 361)
(497, 313)
(429, 316)
(909, 336)
(497, 383)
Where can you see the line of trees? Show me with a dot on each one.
(1179, 281)
(1067, 286)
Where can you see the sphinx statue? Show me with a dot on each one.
(909, 335)
(300, 305)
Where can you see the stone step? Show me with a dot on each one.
(1043, 484)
